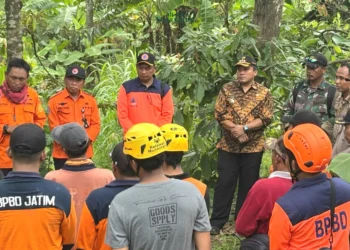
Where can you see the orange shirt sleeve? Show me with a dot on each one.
(39, 115)
(95, 123)
(52, 115)
(87, 230)
(68, 227)
(279, 229)
(122, 110)
(167, 108)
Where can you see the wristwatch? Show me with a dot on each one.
(6, 126)
(245, 128)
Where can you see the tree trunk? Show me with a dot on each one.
(268, 15)
(13, 28)
(167, 34)
(150, 31)
(89, 8)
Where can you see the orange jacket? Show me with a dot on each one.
(93, 223)
(16, 114)
(63, 109)
(40, 214)
(136, 104)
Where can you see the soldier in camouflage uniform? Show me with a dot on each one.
(243, 109)
(314, 94)
(342, 98)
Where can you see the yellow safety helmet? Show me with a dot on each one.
(176, 137)
(144, 140)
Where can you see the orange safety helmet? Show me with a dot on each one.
(311, 147)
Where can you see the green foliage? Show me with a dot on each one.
(340, 166)
(55, 35)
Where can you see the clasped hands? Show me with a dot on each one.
(237, 131)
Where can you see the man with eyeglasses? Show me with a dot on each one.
(342, 98)
(145, 98)
(19, 104)
(79, 174)
(73, 105)
(313, 94)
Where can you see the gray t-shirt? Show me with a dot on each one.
(158, 216)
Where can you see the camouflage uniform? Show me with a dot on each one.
(314, 100)
(341, 106)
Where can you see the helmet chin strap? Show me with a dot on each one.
(294, 174)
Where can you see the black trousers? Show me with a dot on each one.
(255, 242)
(59, 163)
(232, 167)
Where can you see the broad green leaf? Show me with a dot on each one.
(75, 56)
(178, 116)
(205, 166)
(339, 40)
(340, 166)
(199, 144)
(199, 92)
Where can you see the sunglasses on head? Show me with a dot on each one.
(311, 59)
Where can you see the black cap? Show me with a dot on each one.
(304, 116)
(27, 139)
(316, 60)
(345, 120)
(147, 58)
(118, 157)
(76, 71)
(246, 61)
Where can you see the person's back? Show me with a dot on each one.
(301, 218)
(158, 213)
(93, 220)
(176, 137)
(307, 206)
(34, 213)
(80, 178)
(79, 174)
(166, 212)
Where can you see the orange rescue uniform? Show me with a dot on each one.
(301, 218)
(35, 214)
(137, 103)
(63, 109)
(15, 114)
(93, 224)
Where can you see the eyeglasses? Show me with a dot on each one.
(342, 78)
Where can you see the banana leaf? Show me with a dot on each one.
(340, 166)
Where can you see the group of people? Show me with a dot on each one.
(274, 213)
(147, 201)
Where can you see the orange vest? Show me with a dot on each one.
(63, 109)
(15, 114)
(200, 185)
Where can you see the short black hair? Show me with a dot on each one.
(25, 158)
(173, 158)
(18, 63)
(150, 164)
(78, 153)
